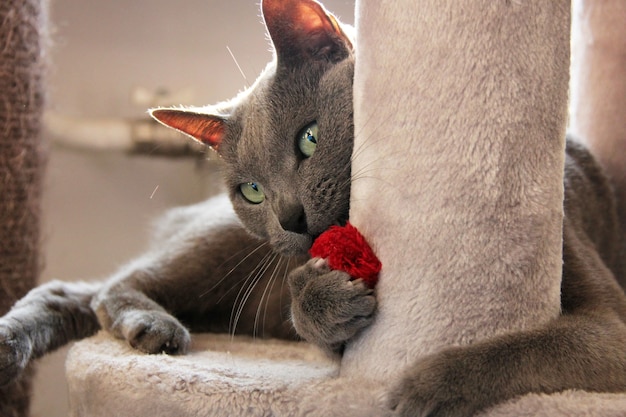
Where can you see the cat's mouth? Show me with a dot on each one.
(298, 244)
(294, 244)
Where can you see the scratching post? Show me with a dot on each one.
(22, 24)
(458, 175)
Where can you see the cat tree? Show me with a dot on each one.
(22, 45)
(459, 121)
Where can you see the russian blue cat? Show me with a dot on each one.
(222, 265)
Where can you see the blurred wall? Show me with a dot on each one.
(98, 206)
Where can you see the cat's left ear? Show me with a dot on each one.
(206, 128)
(302, 30)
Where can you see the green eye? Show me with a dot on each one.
(307, 139)
(252, 192)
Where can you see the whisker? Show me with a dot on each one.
(266, 292)
(238, 66)
(375, 177)
(368, 167)
(365, 143)
(288, 269)
(260, 277)
(244, 288)
(358, 133)
(363, 126)
(260, 272)
(218, 283)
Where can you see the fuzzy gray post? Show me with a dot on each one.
(458, 171)
(22, 29)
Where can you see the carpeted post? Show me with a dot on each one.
(457, 171)
(22, 38)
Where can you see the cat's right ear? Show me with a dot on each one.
(206, 128)
(302, 30)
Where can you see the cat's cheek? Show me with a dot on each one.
(252, 219)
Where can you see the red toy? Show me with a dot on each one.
(345, 249)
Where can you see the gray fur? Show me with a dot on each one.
(328, 307)
(221, 265)
(206, 271)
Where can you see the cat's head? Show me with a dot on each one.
(287, 140)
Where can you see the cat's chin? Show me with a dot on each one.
(294, 244)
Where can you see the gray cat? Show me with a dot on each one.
(220, 265)
(205, 268)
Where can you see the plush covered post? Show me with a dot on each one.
(458, 171)
(22, 40)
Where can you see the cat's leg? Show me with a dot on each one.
(124, 310)
(328, 307)
(584, 348)
(48, 317)
(205, 273)
(152, 304)
(573, 352)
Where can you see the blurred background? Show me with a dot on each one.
(110, 61)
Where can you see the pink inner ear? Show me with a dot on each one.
(206, 128)
(308, 18)
(312, 17)
(300, 26)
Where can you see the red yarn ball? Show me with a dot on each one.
(345, 249)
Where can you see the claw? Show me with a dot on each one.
(320, 263)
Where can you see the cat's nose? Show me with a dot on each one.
(294, 220)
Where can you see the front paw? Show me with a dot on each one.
(328, 307)
(15, 352)
(155, 332)
(440, 385)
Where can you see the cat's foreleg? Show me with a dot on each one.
(129, 314)
(328, 307)
(48, 317)
(199, 279)
(192, 251)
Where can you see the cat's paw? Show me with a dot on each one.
(439, 385)
(155, 332)
(15, 352)
(328, 307)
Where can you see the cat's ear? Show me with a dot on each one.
(206, 128)
(303, 30)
